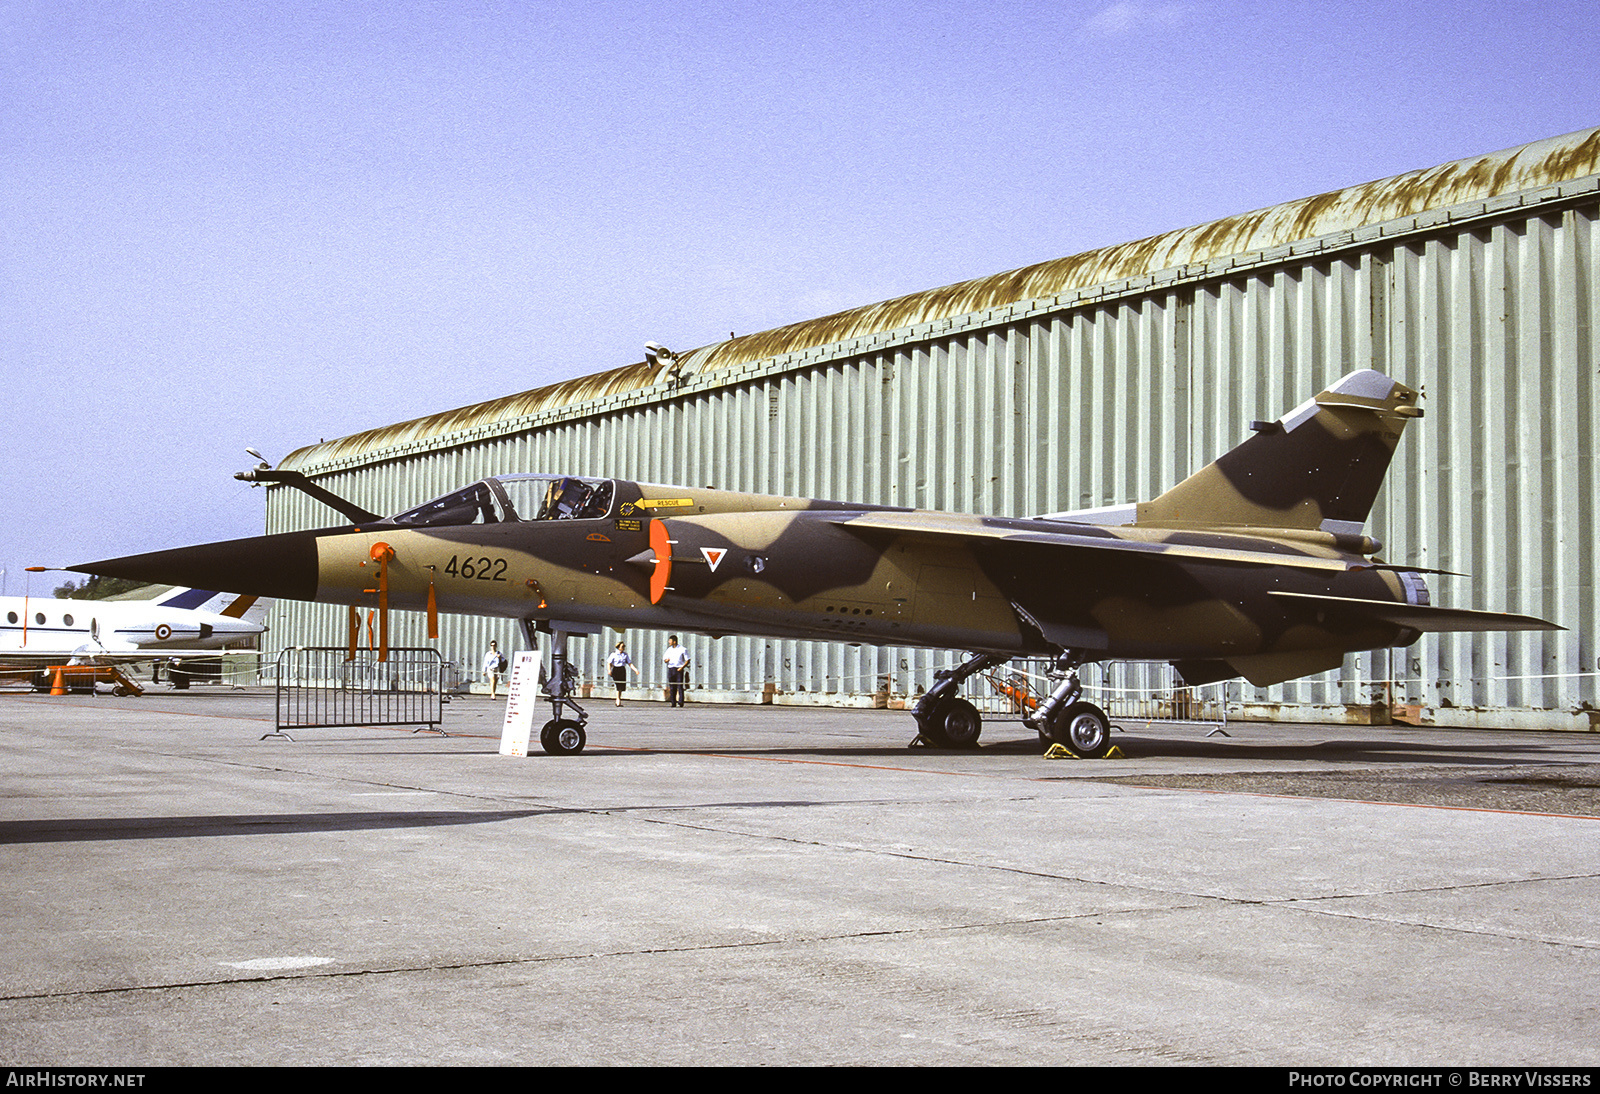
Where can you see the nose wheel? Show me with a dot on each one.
(562, 737)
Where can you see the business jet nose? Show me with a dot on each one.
(283, 566)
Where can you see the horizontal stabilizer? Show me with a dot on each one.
(1421, 617)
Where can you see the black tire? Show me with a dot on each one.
(954, 723)
(563, 738)
(1084, 728)
(961, 724)
(932, 727)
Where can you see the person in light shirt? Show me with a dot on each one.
(677, 662)
(620, 663)
(494, 663)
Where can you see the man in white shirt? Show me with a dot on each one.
(677, 662)
(494, 663)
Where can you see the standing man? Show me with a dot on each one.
(677, 662)
(494, 663)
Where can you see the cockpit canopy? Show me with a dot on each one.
(506, 498)
(477, 504)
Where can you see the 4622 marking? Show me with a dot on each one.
(482, 568)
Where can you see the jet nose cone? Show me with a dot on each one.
(282, 566)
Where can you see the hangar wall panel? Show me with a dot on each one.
(1111, 394)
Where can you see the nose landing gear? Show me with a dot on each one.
(561, 736)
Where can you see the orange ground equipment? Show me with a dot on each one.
(64, 678)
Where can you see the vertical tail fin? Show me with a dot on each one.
(251, 609)
(185, 598)
(1317, 467)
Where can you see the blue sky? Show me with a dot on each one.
(225, 225)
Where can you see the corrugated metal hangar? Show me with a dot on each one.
(1104, 378)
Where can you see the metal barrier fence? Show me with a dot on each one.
(1127, 691)
(323, 686)
(1143, 692)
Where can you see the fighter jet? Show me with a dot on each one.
(1255, 566)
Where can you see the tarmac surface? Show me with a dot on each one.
(781, 885)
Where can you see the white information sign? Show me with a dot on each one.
(522, 703)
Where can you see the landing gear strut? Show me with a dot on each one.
(945, 721)
(560, 736)
(1082, 727)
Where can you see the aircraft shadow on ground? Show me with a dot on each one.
(95, 829)
(90, 829)
(1385, 752)
(1154, 748)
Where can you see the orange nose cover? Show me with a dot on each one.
(663, 552)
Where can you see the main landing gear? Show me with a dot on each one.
(1065, 719)
(946, 721)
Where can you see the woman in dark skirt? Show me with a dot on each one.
(620, 663)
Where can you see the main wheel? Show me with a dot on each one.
(562, 738)
(1084, 728)
(954, 723)
(961, 723)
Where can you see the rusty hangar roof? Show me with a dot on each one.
(1527, 167)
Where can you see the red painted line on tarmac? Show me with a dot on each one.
(39, 700)
(1364, 801)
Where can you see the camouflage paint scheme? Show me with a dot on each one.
(1255, 566)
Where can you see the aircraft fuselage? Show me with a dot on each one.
(720, 562)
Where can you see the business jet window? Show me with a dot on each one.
(557, 497)
(38, 618)
(11, 617)
(67, 620)
(476, 504)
